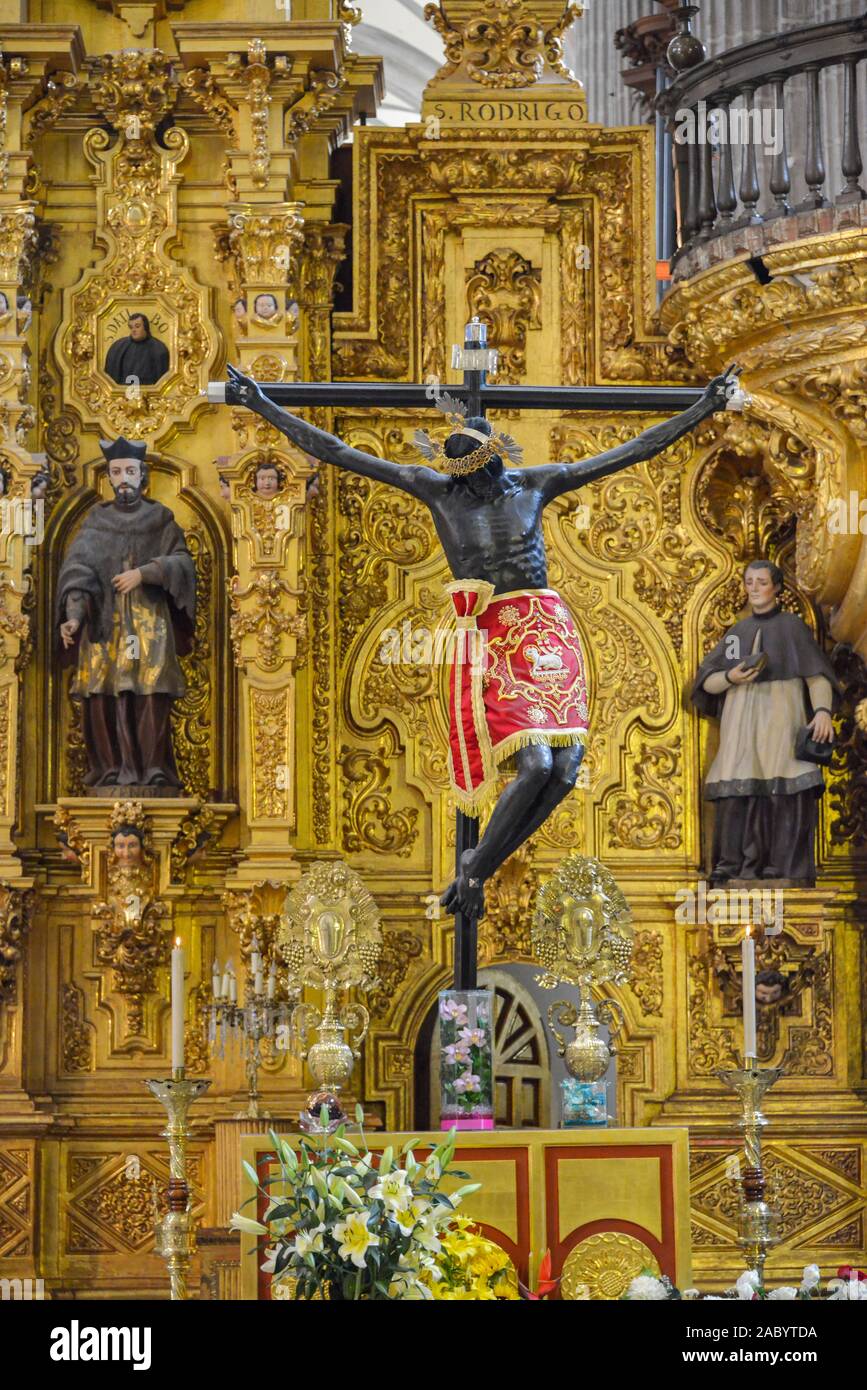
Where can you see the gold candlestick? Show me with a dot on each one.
(175, 1233)
(758, 1219)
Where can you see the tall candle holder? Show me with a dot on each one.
(261, 1016)
(175, 1231)
(758, 1219)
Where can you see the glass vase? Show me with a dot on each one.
(466, 1059)
(584, 1103)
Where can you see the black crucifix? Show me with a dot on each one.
(532, 704)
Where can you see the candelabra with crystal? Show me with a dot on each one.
(262, 1015)
(758, 1219)
(331, 941)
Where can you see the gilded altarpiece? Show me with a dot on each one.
(193, 174)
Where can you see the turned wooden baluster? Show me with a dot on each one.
(781, 180)
(814, 161)
(726, 197)
(750, 190)
(851, 162)
(706, 199)
(691, 213)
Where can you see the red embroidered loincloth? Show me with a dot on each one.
(517, 677)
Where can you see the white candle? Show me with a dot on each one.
(215, 981)
(177, 1006)
(748, 954)
(233, 987)
(272, 980)
(227, 975)
(255, 958)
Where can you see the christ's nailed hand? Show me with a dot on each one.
(130, 579)
(68, 631)
(242, 390)
(718, 392)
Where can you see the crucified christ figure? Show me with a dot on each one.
(524, 703)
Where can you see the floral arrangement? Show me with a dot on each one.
(345, 1223)
(468, 1266)
(850, 1285)
(466, 1063)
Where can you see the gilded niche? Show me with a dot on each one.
(137, 276)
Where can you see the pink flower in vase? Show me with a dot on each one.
(449, 1008)
(456, 1054)
(467, 1082)
(473, 1037)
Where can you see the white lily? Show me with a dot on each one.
(247, 1225)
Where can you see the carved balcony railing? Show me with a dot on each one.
(732, 120)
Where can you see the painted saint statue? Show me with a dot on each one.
(524, 704)
(125, 613)
(757, 681)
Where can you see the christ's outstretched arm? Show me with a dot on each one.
(556, 478)
(420, 481)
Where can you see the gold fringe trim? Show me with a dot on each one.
(478, 802)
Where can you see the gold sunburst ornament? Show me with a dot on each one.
(489, 445)
(582, 927)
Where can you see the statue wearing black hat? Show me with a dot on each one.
(125, 612)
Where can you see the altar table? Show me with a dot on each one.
(607, 1203)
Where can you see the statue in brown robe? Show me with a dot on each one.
(125, 613)
(764, 796)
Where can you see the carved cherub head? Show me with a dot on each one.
(267, 480)
(127, 843)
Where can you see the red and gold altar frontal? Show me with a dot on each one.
(184, 187)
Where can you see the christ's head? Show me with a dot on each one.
(460, 445)
(763, 582)
(127, 480)
(139, 327)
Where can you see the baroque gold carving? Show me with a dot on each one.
(370, 823)
(137, 218)
(505, 931)
(649, 818)
(503, 44)
(266, 619)
(646, 977)
(76, 1034)
(603, 1266)
(195, 715)
(504, 290)
(130, 935)
(399, 950)
(270, 751)
(16, 910)
(263, 244)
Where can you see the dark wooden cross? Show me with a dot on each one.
(479, 397)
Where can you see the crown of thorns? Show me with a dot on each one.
(489, 444)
